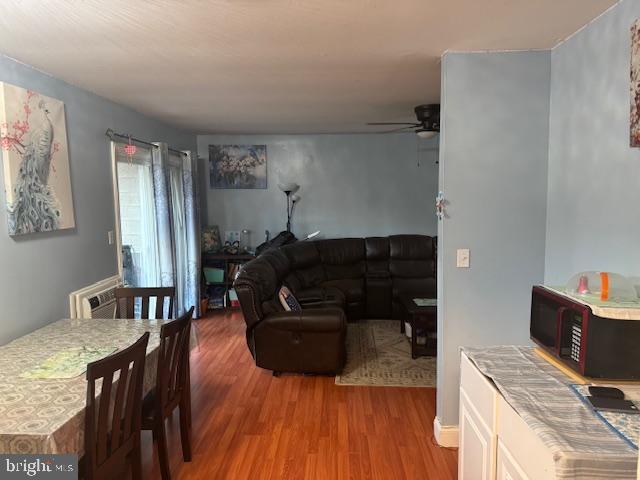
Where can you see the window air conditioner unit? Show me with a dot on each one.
(95, 301)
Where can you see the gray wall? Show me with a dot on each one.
(38, 271)
(351, 185)
(493, 171)
(594, 194)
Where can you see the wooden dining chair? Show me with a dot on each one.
(126, 300)
(113, 420)
(172, 390)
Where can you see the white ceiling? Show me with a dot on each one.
(274, 66)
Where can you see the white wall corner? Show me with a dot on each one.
(447, 435)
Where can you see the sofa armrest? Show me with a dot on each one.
(313, 320)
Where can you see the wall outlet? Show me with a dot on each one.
(232, 236)
(462, 258)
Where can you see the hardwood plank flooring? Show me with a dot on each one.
(248, 424)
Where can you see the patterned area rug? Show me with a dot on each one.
(379, 355)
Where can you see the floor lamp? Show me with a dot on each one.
(289, 190)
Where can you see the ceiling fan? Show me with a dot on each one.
(428, 124)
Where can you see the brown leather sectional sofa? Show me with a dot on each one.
(334, 280)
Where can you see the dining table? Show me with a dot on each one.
(46, 415)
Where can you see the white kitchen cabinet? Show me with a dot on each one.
(508, 468)
(521, 447)
(478, 433)
(494, 442)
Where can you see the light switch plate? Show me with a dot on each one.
(110, 237)
(462, 258)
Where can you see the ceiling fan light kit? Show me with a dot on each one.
(428, 124)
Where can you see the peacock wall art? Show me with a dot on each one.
(33, 141)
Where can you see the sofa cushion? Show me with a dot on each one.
(411, 247)
(377, 248)
(320, 297)
(411, 268)
(279, 261)
(422, 286)
(411, 256)
(293, 282)
(310, 277)
(352, 288)
(302, 255)
(342, 258)
(305, 265)
(341, 251)
(339, 272)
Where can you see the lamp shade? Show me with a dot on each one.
(289, 187)
(426, 133)
(295, 198)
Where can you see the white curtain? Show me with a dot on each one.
(176, 203)
(179, 231)
(163, 214)
(192, 228)
(150, 274)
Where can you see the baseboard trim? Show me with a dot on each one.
(446, 436)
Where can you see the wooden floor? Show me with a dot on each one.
(248, 424)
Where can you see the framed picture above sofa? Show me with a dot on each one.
(635, 84)
(238, 166)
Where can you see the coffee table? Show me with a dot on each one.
(423, 320)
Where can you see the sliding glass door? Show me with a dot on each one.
(158, 231)
(138, 232)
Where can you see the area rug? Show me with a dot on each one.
(379, 355)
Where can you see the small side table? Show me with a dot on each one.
(224, 261)
(423, 319)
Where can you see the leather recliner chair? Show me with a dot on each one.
(334, 280)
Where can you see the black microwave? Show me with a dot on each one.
(591, 345)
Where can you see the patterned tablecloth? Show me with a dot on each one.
(47, 416)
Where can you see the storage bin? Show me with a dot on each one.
(214, 275)
(216, 296)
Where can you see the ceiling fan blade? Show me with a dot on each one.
(395, 123)
(398, 129)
